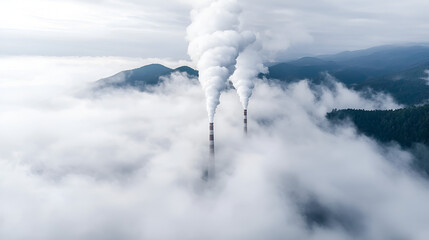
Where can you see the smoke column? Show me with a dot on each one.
(249, 65)
(214, 45)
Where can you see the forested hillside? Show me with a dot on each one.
(405, 126)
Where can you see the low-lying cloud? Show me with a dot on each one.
(124, 164)
(426, 78)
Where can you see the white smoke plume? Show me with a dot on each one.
(249, 64)
(214, 44)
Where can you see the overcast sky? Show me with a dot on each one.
(157, 29)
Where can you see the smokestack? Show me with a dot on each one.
(211, 164)
(245, 121)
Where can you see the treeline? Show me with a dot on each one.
(405, 126)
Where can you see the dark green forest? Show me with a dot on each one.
(405, 126)
(408, 126)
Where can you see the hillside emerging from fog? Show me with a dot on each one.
(406, 126)
(400, 71)
(142, 77)
(397, 70)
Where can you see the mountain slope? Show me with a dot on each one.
(407, 87)
(368, 63)
(398, 71)
(385, 59)
(405, 126)
(409, 127)
(310, 68)
(141, 77)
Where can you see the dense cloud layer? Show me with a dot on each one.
(122, 164)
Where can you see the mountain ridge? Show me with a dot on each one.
(375, 68)
(143, 76)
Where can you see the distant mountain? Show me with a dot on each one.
(371, 62)
(385, 59)
(142, 77)
(408, 87)
(310, 68)
(399, 71)
(347, 55)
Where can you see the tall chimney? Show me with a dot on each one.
(245, 121)
(211, 165)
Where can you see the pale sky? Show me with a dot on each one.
(157, 29)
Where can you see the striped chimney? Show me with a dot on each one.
(211, 165)
(245, 121)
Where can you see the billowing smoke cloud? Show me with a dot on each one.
(123, 164)
(249, 64)
(214, 44)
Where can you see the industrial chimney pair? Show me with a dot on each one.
(211, 167)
